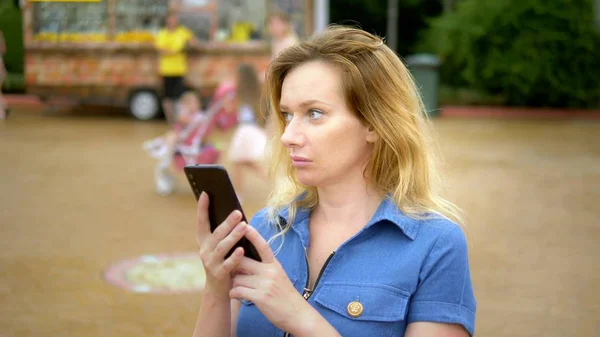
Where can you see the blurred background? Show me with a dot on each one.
(89, 248)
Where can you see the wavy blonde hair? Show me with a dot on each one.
(382, 94)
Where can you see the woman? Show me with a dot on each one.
(355, 240)
(247, 147)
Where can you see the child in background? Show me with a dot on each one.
(226, 117)
(184, 145)
(249, 139)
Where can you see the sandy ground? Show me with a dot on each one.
(77, 196)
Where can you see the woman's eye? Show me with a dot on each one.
(286, 116)
(314, 114)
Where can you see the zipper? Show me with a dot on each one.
(311, 291)
(307, 293)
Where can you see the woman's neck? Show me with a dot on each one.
(349, 202)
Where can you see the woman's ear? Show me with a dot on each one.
(372, 135)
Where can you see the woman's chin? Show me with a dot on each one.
(305, 179)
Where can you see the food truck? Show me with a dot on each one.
(102, 51)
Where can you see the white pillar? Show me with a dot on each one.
(321, 14)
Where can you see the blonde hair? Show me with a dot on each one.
(382, 93)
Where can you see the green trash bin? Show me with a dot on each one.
(425, 70)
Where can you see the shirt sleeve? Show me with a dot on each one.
(159, 43)
(445, 292)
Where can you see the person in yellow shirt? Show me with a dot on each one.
(170, 43)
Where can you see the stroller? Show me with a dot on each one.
(189, 149)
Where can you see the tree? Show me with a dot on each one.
(535, 52)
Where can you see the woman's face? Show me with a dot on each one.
(327, 143)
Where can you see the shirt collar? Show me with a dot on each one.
(387, 211)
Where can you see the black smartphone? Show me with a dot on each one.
(214, 180)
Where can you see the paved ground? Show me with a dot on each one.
(77, 197)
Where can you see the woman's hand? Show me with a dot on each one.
(214, 246)
(266, 285)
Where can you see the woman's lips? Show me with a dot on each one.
(298, 161)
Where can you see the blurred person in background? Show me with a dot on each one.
(247, 148)
(186, 143)
(3, 74)
(281, 31)
(356, 239)
(283, 35)
(171, 42)
(226, 118)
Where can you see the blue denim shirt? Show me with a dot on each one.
(399, 269)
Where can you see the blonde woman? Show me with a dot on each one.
(355, 240)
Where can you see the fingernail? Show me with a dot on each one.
(241, 227)
(203, 194)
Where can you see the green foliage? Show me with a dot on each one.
(535, 52)
(12, 27)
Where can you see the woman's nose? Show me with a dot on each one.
(291, 136)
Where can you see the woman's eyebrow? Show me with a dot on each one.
(303, 104)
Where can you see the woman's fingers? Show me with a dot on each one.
(249, 266)
(247, 281)
(225, 245)
(227, 226)
(261, 245)
(242, 293)
(204, 224)
(229, 265)
(204, 238)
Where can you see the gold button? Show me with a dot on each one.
(355, 309)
